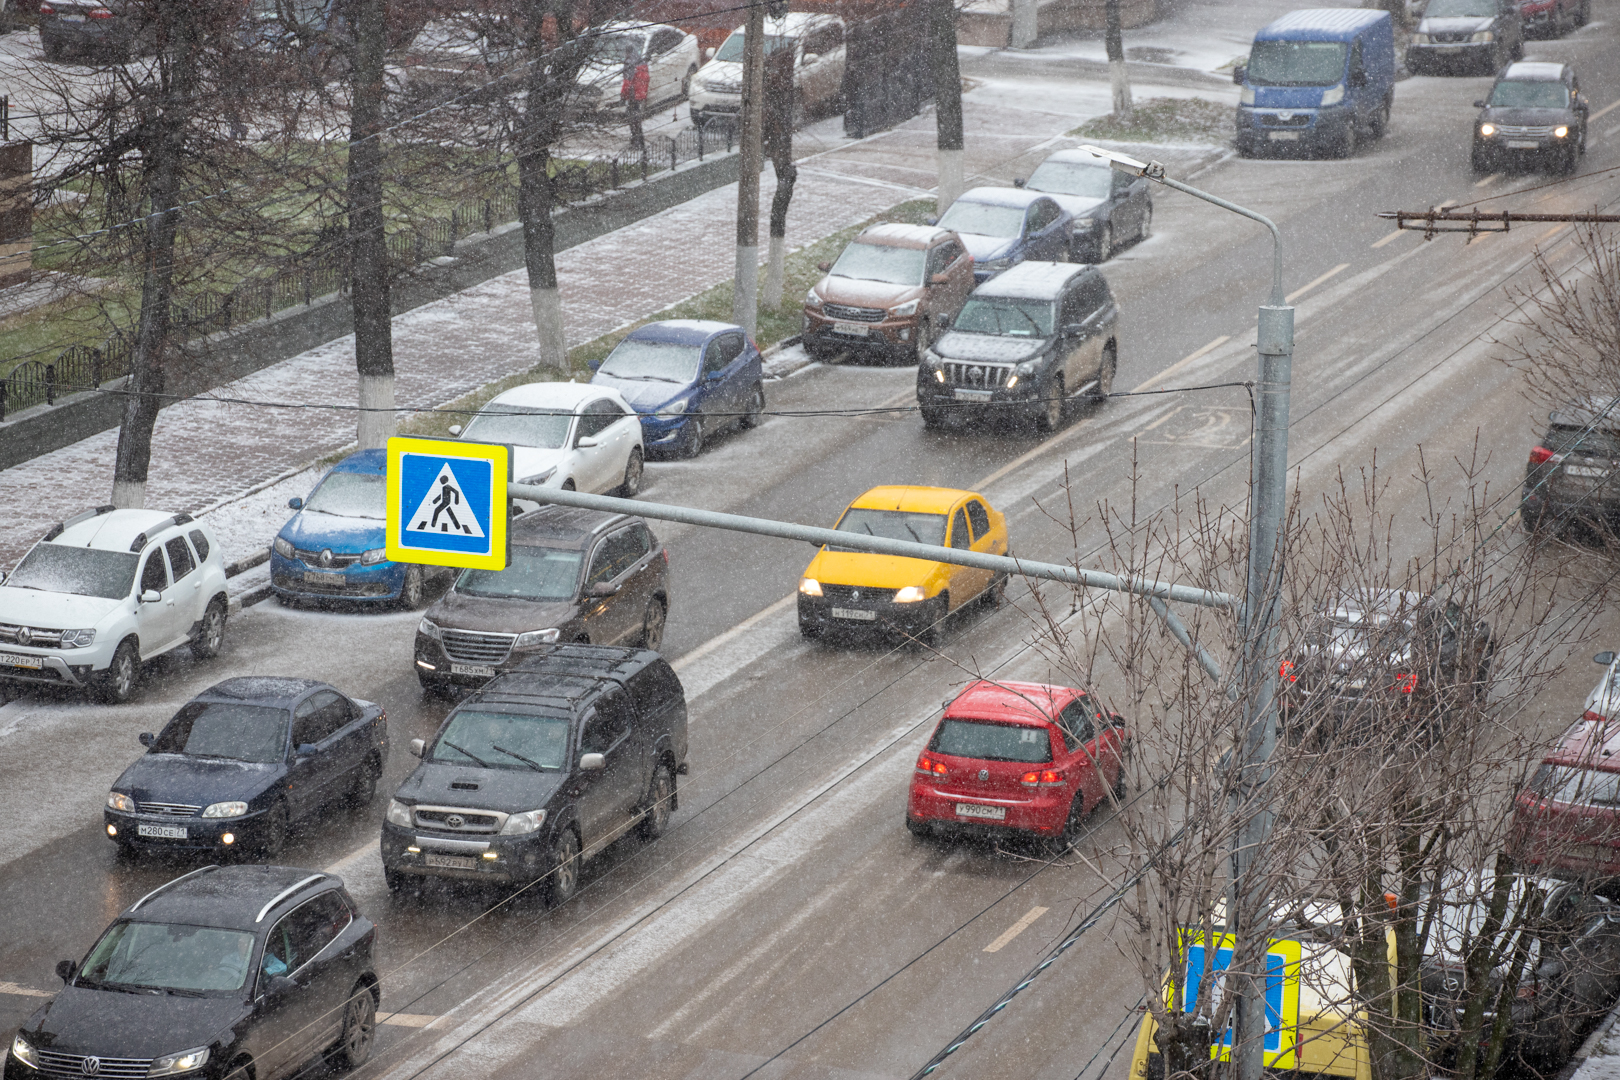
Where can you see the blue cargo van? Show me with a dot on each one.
(1319, 80)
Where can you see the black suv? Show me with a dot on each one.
(240, 971)
(1025, 342)
(573, 576)
(546, 765)
(1536, 111)
(1570, 475)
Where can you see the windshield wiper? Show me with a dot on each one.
(530, 762)
(1033, 325)
(178, 991)
(469, 753)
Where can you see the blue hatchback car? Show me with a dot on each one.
(332, 549)
(687, 378)
(1002, 227)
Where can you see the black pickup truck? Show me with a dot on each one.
(544, 766)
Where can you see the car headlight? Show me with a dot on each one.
(1483, 36)
(998, 264)
(535, 637)
(429, 629)
(117, 800)
(540, 478)
(1085, 224)
(78, 639)
(523, 824)
(674, 408)
(811, 299)
(373, 557)
(282, 546)
(1246, 96)
(1028, 367)
(1333, 95)
(911, 594)
(930, 359)
(1558, 133)
(224, 809)
(1420, 39)
(399, 813)
(23, 1051)
(810, 586)
(1487, 130)
(184, 1061)
(905, 309)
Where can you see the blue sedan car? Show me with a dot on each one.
(1005, 226)
(332, 549)
(687, 378)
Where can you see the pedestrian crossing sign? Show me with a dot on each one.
(447, 503)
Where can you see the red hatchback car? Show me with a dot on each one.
(1017, 757)
(1567, 818)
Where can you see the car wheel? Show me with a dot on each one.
(275, 831)
(1380, 122)
(564, 880)
(364, 789)
(934, 630)
(660, 796)
(1105, 373)
(211, 635)
(917, 828)
(692, 445)
(755, 412)
(1516, 54)
(1346, 147)
(809, 630)
(568, 484)
(631, 486)
(1583, 14)
(1073, 823)
(396, 882)
(1104, 248)
(117, 684)
(1570, 161)
(933, 418)
(359, 1029)
(686, 84)
(1146, 232)
(1050, 418)
(1122, 782)
(1480, 160)
(411, 589)
(432, 688)
(652, 625)
(996, 594)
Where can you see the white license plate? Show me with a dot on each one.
(975, 395)
(71, 18)
(315, 577)
(853, 613)
(161, 832)
(450, 862)
(850, 329)
(990, 813)
(471, 669)
(19, 660)
(1523, 144)
(1594, 471)
(1284, 136)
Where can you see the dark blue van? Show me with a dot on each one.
(1319, 80)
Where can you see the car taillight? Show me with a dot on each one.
(928, 765)
(98, 13)
(1285, 671)
(1406, 683)
(1526, 990)
(1540, 455)
(1042, 778)
(46, 9)
(1594, 718)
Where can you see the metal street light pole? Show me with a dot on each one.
(1268, 485)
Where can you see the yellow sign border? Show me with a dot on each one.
(500, 459)
(1293, 953)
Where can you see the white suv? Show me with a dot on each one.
(105, 590)
(817, 42)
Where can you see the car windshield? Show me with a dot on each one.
(733, 48)
(1576, 786)
(1006, 316)
(545, 429)
(1297, 63)
(1530, 95)
(360, 495)
(992, 742)
(657, 361)
(499, 740)
(169, 956)
(1072, 178)
(875, 262)
(232, 730)
(60, 568)
(894, 525)
(984, 219)
(1459, 9)
(534, 573)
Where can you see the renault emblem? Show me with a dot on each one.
(90, 1066)
(25, 636)
(1285, 116)
(984, 774)
(455, 821)
(855, 594)
(325, 558)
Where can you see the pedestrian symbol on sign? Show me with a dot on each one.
(437, 512)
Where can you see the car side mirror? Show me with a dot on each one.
(708, 54)
(279, 986)
(305, 749)
(810, 58)
(931, 219)
(585, 442)
(1479, 104)
(1239, 73)
(3, 577)
(66, 969)
(944, 319)
(939, 279)
(601, 588)
(455, 431)
(1604, 658)
(146, 738)
(824, 267)
(418, 747)
(592, 763)
(295, 503)
(1018, 181)
(151, 596)
(1074, 328)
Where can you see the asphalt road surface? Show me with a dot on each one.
(787, 911)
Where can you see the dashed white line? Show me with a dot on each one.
(1015, 929)
(1176, 367)
(1303, 289)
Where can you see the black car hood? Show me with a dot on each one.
(1528, 117)
(510, 791)
(196, 781)
(988, 348)
(111, 1023)
(457, 611)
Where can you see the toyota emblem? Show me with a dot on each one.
(25, 636)
(326, 557)
(984, 774)
(975, 374)
(90, 1066)
(455, 821)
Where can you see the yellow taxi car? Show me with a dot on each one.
(854, 589)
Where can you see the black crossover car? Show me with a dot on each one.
(1571, 472)
(238, 971)
(243, 762)
(556, 758)
(1025, 342)
(1535, 113)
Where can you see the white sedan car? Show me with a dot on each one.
(671, 55)
(567, 435)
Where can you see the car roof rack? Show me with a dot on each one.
(284, 893)
(85, 515)
(139, 542)
(171, 884)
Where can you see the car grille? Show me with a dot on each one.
(718, 86)
(472, 647)
(297, 584)
(472, 821)
(855, 314)
(1455, 37)
(1292, 120)
(850, 596)
(1519, 131)
(988, 376)
(168, 809)
(55, 1064)
(313, 558)
(37, 636)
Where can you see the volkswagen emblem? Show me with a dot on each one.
(25, 636)
(984, 774)
(325, 558)
(455, 821)
(90, 1066)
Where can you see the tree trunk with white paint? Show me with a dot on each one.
(947, 74)
(370, 282)
(750, 160)
(1024, 29)
(376, 424)
(1114, 46)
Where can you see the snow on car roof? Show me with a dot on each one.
(1000, 196)
(553, 395)
(1533, 71)
(1339, 22)
(897, 234)
(1031, 280)
(1076, 156)
(114, 531)
(681, 331)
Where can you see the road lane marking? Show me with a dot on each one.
(1176, 367)
(410, 1020)
(23, 991)
(1477, 237)
(1491, 179)
(1015, 929)
(1303, 289)
(1610, 107)
(1391, 236)
(723, 639)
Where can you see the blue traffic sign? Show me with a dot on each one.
(447, 503)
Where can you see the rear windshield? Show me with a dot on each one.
(1460, 9)
(1565, 439)
(1006, 316)
(992, 742)
(81, 571)
(894, 525)
(1530, 95)
(360, 495)
(984, 219)
(1298, 63)
(535, 573)
(1578, 787)
(230, 730)
(1072, 178)
(876, 262)
(497, 740)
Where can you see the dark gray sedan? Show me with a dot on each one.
(1109, 208)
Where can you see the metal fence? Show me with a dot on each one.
(321, 273)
